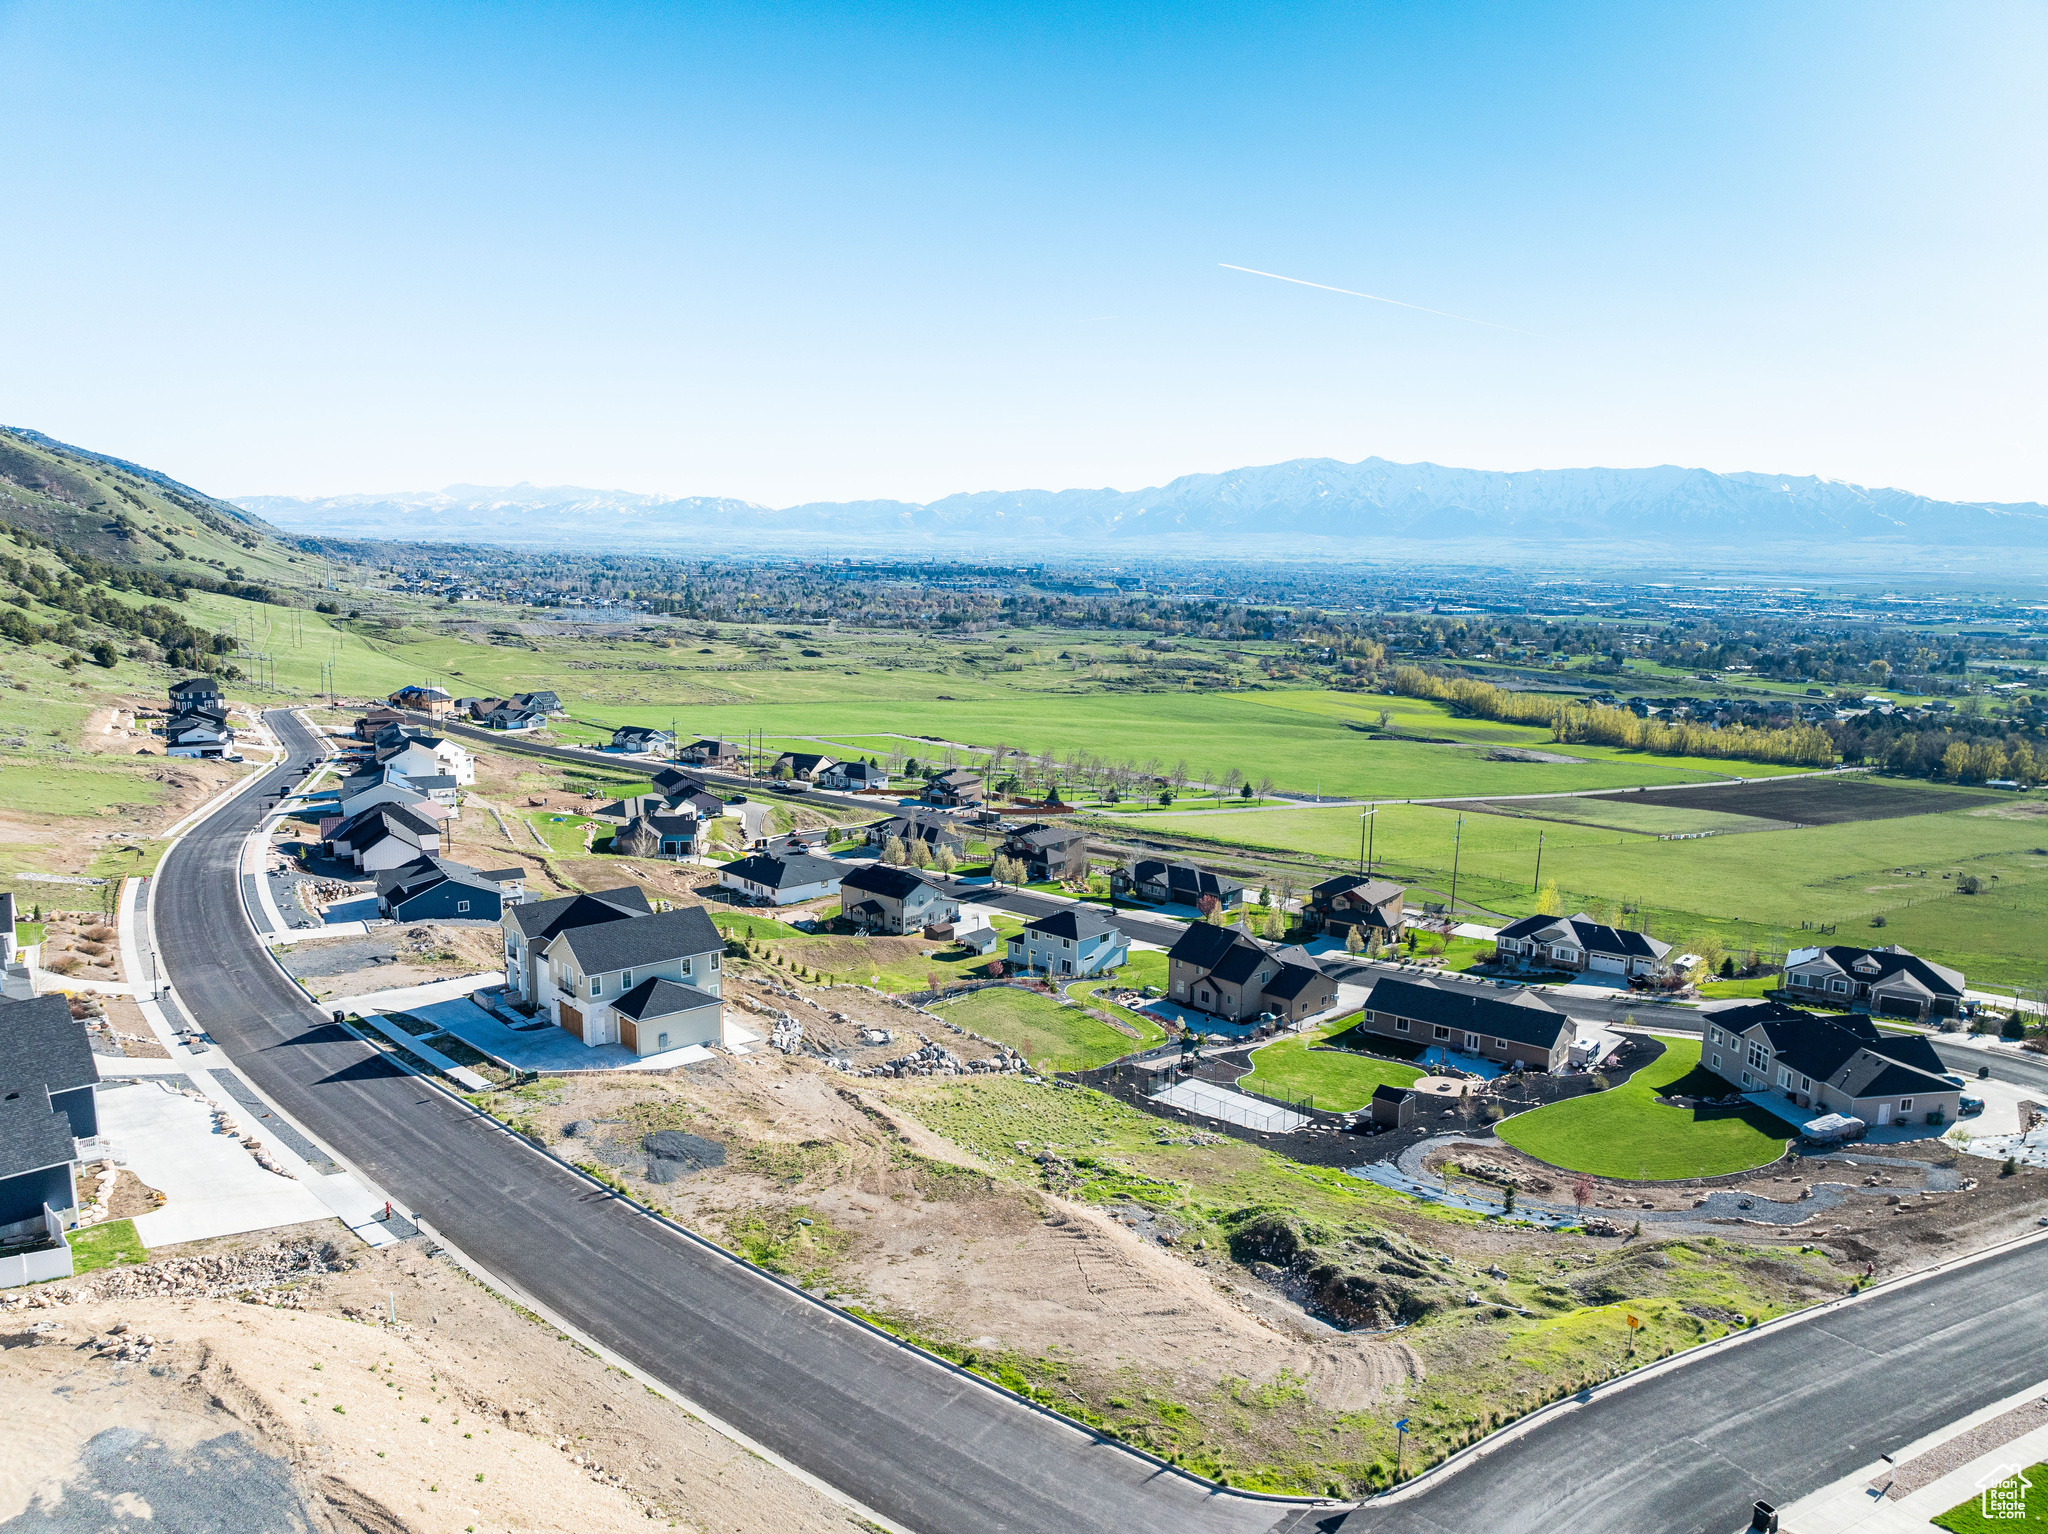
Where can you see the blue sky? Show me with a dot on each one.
(832, 251)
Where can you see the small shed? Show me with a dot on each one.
(979, 939)
(1392, 1107)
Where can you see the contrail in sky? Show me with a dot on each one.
(1348, 293)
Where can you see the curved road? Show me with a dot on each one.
(1685, 1451)
(926, 1448)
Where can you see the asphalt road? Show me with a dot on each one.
(1774, 1418)
(930, 1449)
(2019, 1070)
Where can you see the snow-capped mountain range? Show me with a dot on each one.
(1307, 505)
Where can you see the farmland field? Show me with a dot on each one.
(1756, 891)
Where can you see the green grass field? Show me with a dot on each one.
(1754, 891)
(1624, 1132)
(1296, 1070)
(1051, 1036)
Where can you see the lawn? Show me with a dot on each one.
(1625, 1132)
(1968, 1517)
(891, 963)
(106, 1246)
(1298, 1069)
(1087, 992)
(1051, 1036)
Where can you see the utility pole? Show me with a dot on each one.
(1457, 841)
(1538, 885)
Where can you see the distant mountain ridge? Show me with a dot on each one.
(1317, 505)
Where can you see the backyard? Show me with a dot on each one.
(1302, 1070)
(1625, 1132)
(1050, 1035)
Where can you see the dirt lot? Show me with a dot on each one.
(314, 1411)
(1818, 801)
(385, 960)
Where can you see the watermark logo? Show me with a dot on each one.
(2003, 1494)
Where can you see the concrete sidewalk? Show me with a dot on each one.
(1858, 1503)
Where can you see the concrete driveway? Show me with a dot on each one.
(211, 1185)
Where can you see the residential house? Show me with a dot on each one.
(638, 740)
(782, 880)
(878, 897)
(1049, 852)
(1373, 906)
(199, 732)
(935, 831)
(1227, 972)
(854, 777)
(675, 836)
(431, 888)
(958, 788)
(530, 927)
(722, 755)
(433, 701)
(804, 766)
(1829, 1064)
(426, 756)
(1073, 941)
(511, 716)
(376, 722)
(1582, 944)
(542, 703)
(195, 692)
(391, 785)
(650, 982)
(673, 781)
(1888, 980)
(1518, 1029)
(1164, 883)
(47, 1082)
(383, 836)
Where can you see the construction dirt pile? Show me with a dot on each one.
(288, 1385)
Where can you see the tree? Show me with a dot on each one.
(1548, 901)
(105, 654)
(1208, 905)
(945, 862)
(1265, 788)
(934, 980)
(1507, 1204)
(783, 772)
(1245, 792)
(920, 853)
(1354, 942)
(995, 969)
(1582, 1190)
(893, 851)
(638, 840)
